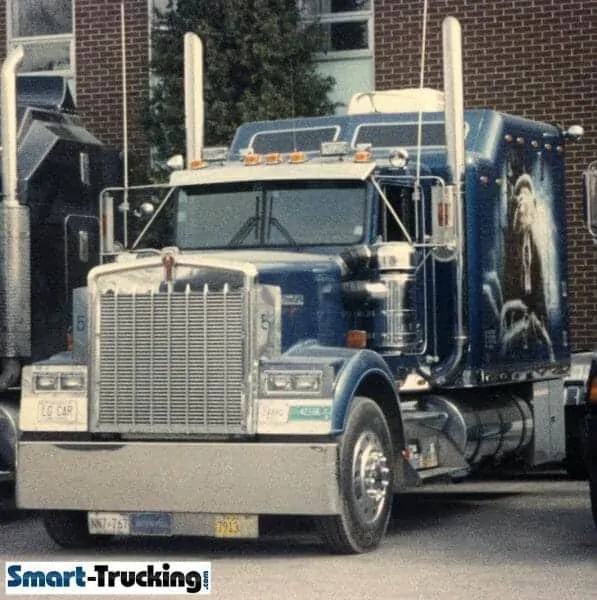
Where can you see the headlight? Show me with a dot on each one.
(280, 382)
(53, 382)
(72, 382)
(53, 398)
(46, 382)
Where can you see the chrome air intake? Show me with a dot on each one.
(396, 317)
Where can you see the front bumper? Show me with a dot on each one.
(218, 477)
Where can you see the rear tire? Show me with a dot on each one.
(366, 474)
(69, 530)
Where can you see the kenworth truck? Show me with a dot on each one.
(326, 312)
(52, 172)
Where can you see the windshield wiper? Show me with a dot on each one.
(251, 224)
(273, 221)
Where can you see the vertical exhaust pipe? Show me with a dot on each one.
(454, 98)
(193, 96)
(9, 126)
(15, 273)
(454, 123)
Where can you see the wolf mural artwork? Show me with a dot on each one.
(522, 291)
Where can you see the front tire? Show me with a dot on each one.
(366, 474)
(69, 530)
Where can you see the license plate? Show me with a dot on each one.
(58, 410)
(151, 524)
(236, 526)
(108, 523)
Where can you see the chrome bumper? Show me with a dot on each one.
(276, 478)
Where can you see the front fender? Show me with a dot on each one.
(352, 367)
(362, 365)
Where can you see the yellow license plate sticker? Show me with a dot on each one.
(236, 526)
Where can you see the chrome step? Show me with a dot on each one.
(437, 472)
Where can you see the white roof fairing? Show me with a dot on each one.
(340, 170)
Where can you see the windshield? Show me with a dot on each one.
(263, 214)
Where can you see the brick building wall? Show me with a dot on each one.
(98, 65)
(99, 73)
(535, 58)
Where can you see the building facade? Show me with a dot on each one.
(536, 58)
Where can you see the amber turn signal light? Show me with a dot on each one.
(356, 338)
(593, 390)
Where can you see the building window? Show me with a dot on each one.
(347, 26)
(45, 29)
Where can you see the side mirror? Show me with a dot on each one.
(145, 210)
(590, 191)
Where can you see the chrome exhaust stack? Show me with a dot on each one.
(454, 123)
(193, 96)
(15, 277)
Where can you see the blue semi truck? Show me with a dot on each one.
(340, 307)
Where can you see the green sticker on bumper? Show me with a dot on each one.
(310, 413)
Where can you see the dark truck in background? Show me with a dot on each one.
(53, 170)
(581, 385)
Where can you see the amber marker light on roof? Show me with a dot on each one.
(273, 158)
(298, 156)
(362, 156)
(198, 164)
(252, 159)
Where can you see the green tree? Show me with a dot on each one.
(258, 64)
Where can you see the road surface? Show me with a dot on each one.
(520, 538)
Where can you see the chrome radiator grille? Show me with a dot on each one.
(172, 362)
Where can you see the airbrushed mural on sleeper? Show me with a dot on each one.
(522, 289)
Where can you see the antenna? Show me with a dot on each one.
(125, 133)
(421, 85)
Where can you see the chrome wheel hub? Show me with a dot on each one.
(370, 476)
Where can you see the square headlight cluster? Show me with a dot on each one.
(306, 382)
(54, 382)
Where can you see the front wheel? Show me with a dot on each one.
(366, 474)
(69, 529)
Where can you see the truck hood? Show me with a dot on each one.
(310, 287)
